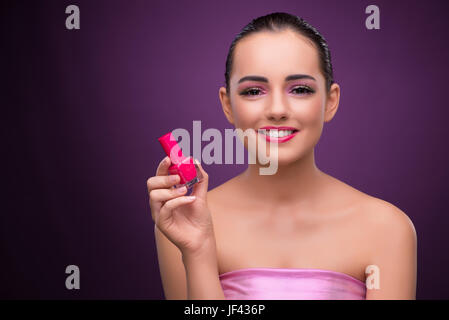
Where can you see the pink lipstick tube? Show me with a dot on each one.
(186, 168)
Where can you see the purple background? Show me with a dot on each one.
(82, 109)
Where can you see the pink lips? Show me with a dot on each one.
(283, 139)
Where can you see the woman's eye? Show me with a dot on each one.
(298, 90)
(303, 90)
(250, 92)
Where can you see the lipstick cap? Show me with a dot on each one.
(171, 148)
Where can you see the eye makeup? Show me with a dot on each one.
(250, 91)
(256, 89)
(300, 89)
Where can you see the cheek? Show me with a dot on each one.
(245, 116)
(312, 120)
(312, 114)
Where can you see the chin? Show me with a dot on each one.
(285, 158)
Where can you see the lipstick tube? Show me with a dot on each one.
(186, 168)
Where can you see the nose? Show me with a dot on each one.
(278, 109)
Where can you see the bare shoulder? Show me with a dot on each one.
(387, 218)
(374, 211)
(380, 231)
(379, 223)
(387, 228)
(391, 246)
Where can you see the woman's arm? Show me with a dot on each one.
(188, 276)
(202, 275)
(185, 237)
(394, 246)
(171, 267)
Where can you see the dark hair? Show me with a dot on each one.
(279, 21)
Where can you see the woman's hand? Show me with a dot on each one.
(185, 221)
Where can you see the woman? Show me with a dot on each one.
(297, 234)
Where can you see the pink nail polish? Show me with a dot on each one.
(184, 167)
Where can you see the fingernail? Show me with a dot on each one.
(173, 178)
(191, 198)
(182, 189)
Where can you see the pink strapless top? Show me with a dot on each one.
(290, 284)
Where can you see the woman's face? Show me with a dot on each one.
(276, 81)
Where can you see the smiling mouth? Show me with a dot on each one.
(279, 136)
(273, 133)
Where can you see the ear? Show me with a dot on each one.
(226, 104)
(332, 102)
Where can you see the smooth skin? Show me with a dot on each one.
(299, 217)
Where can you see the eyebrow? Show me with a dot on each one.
(288, 78)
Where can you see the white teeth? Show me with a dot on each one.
(277, 133)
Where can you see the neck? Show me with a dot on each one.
(295, 182)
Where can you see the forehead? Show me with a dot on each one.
(275, 55)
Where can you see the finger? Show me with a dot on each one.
(162, 182)
(162, 169)
(167, 209)
(153, 211)
(200, 188)
(162, 195)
